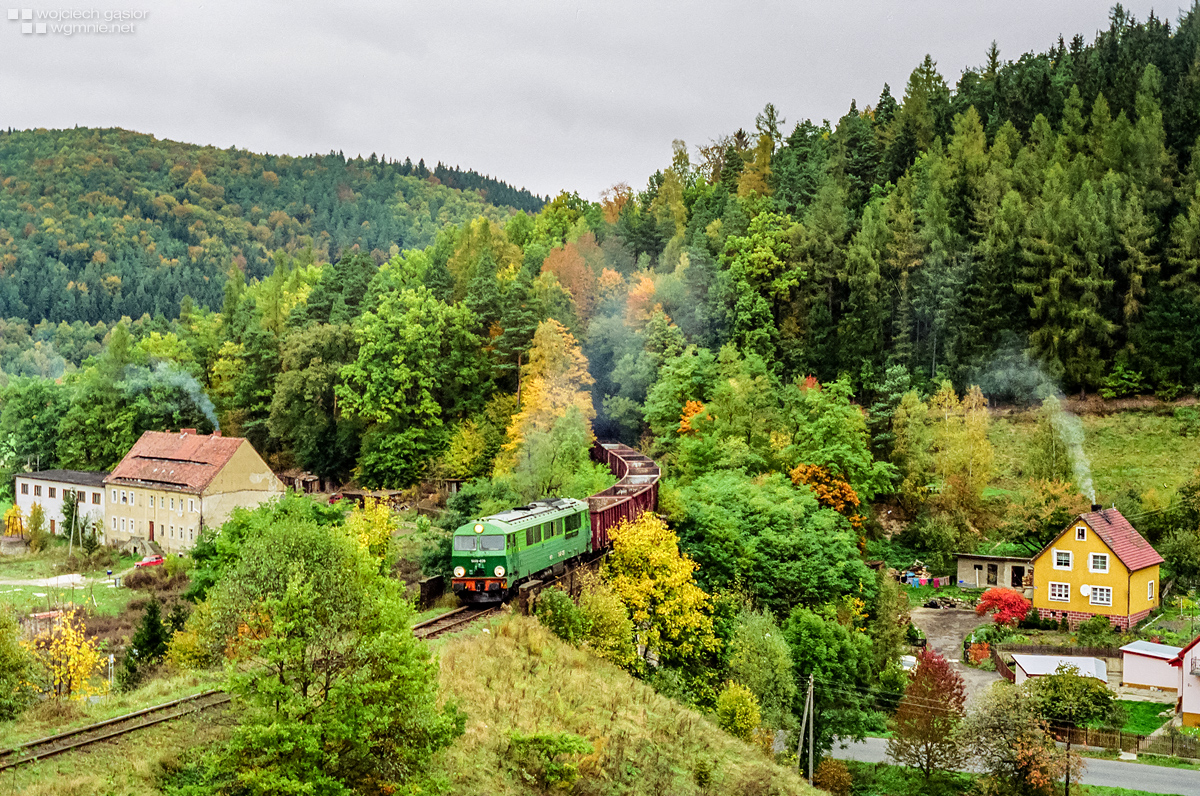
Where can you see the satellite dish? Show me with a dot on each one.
(1085, 590)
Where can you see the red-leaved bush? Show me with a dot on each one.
(1008, 606)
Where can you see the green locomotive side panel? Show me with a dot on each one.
(524, 541)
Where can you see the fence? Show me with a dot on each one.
(1044, 649)
(1171, 742)
(1003, 668)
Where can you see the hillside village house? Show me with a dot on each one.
(48, 488)
(1098, 566)
(172, 484)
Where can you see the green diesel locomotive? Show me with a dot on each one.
(493, 555)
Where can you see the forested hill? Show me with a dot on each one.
(97, 224)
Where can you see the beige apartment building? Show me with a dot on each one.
(172, 484)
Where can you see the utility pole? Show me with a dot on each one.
(803, 726)
(812, 720)
(1070, 726)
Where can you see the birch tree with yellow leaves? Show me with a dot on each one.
(69, 660)
(672, 616)
(554, 382)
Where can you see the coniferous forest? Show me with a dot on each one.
(852, 347)
(1035, 221)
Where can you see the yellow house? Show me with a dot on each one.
(171, 485)
(1099, 565)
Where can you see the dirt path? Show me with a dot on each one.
(946, 628)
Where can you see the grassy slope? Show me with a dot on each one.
(130, 766)
(1136, 450)
(519, 677)
(49, 719)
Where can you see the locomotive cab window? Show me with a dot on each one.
(491, 542)
(511, 541)
(572, 524)
(464, 544)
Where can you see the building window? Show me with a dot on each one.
(172, 531)
(1150, 591)
(1081, 533)
(172, 504)
(122, 524)
(1101, 595)
(1060, 592)
(114, 496)
(24, 489)
(191, 505)
(1062, 559)
(114, 523)
(192, 530)
(53, 492)
(95, 498)
(37, 490)
(80, 496)
(1098, 562)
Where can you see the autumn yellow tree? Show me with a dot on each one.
(554, 382)
(14, 523)
(672, 616)
(69, 660)
(963, 455)
(371, 526)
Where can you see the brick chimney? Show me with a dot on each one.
(217, 433)
(187, 431)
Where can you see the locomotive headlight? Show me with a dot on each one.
(479, 528)
(499, 572)
(459, 572)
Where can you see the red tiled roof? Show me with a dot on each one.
(1121, 537)
(186, 461)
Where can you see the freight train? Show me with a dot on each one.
(493, 555)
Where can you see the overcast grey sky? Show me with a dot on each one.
(546, 95)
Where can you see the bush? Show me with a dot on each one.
(547, 760)
(1121, 382)
(1188, 418)
(737, 711)
(608, 630)
(833, 776)
(559, 613)
(978, 653)
(1096, 632)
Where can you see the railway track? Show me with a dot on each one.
(454, 620)
(31, 751)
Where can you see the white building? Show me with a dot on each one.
(1148, 665)
(1188, 663)
(48, 487)
(1028, 666)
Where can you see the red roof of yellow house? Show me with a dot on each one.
(1122, 538)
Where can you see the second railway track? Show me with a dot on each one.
(31, 751)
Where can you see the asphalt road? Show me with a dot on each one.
(1110, 773)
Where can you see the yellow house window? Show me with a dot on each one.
(1060, 592)
(1150, 590)
(1081, 533)
(1062, 559)
(1098, 562)
(1101, 595)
